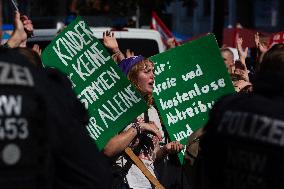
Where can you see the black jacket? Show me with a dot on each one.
(243, 143)
(78, 163)
(59, 152)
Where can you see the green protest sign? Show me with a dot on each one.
(188, 80)
(111, 100)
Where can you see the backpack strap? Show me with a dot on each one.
(146, 116)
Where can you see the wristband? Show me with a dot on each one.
(116, 52)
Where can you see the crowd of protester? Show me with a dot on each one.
(240, 146)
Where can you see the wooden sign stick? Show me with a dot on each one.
(144, 169)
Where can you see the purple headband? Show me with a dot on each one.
(127, 63)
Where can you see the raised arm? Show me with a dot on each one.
(22, 28)
(240, 65)
(242, 53)
(111, 43)
(129, 53)
(262, 48)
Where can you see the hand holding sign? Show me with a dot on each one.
(111, 100)
(173, 147)
(188, 81)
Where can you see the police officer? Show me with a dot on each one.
(43, 137)
(243, 142)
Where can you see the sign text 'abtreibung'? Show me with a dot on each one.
(188, 80)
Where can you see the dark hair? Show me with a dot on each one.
(31, 55)
(273, 60)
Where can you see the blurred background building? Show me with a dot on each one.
(184, 17)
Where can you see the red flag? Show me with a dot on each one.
(276, 38)
(158, 24)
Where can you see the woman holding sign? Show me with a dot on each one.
(144, 134)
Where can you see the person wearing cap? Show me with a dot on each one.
(228, 58)
(243, 141)
(144, 134)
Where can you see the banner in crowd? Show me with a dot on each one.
(158, 24)
(276, 38)
(111, 100)
(189, 79)
(230, 34)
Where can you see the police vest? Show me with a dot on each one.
(23, 146)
